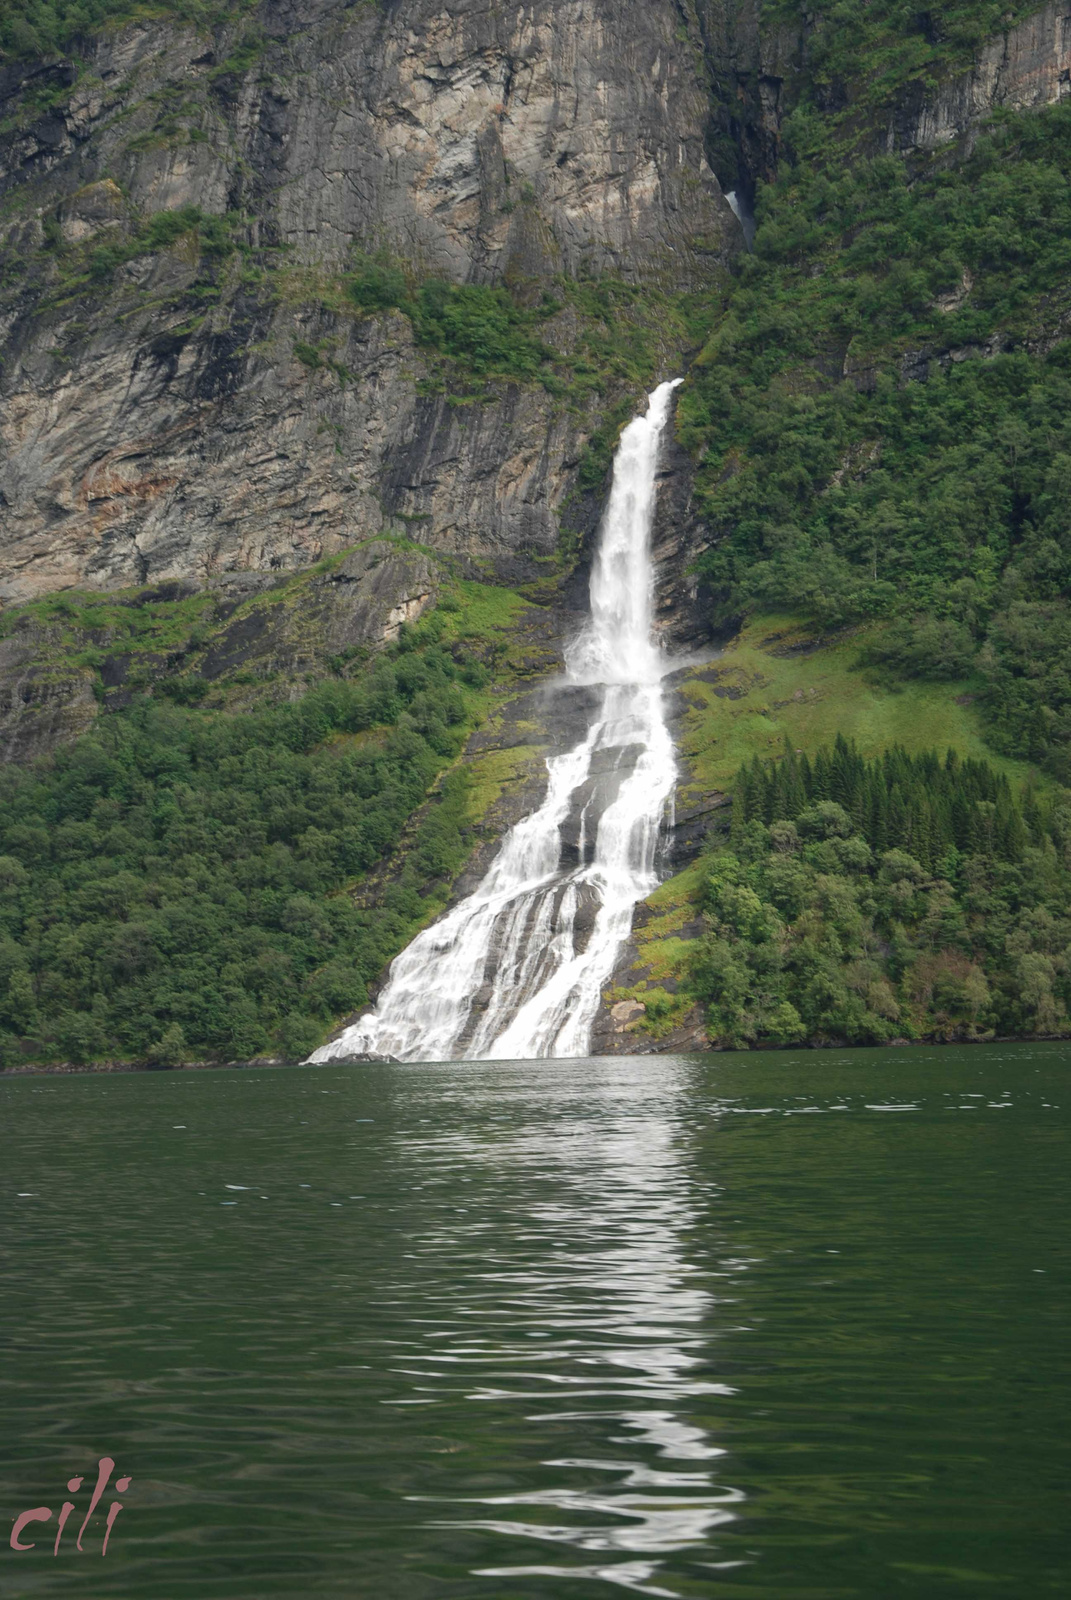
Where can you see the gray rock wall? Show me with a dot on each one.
(157, 426)
(758, 70)
(1028, 67)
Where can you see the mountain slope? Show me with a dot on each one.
(315, 321)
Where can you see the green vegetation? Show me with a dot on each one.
(779, 680)
(127, 619)
(282, 852)
(896, 802)
(271, 643)
(210, 237)
(867, 479)
(863, 54)
(867, 451)
(49, 27)
(480, 328)
(897, 898)
(172, 882)
(482, 331)
(64, 272)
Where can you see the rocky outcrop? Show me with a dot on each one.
(754, 69)
(360, 604)
(41, 705)
(1025, 68)
(680, 535)
(252, 636)
(758, 70)
(173, 414)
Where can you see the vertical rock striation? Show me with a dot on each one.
(162, 421)
(759, 69)
(1023, 69)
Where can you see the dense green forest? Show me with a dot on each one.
(882, 417)
(171, 881)
(884, 421)
(904, 897)
(860, 54)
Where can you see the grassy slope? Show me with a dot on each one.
(777, 691)
(810, 698)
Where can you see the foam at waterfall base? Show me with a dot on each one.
(516, 970)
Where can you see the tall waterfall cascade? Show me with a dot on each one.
(516, 970)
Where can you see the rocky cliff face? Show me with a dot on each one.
(185, 412)
(1028, 67)
(760, 66)
(171, 418)
(245, 634)
(187, 394)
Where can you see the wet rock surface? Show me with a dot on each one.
(679, 537)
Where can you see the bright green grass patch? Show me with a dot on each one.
(662, 958)
(126, 618)
(811, 698)
(661, 954)
(673, 906)
(494, 771)
(663, 1011)
(475, 610)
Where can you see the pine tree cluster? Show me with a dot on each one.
(863, 901)
(920, 804)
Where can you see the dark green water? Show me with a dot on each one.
(786, 1326)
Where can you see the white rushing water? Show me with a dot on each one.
(744, 215)
(516, 970)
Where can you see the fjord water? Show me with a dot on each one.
(535, 943)
(783, 1325)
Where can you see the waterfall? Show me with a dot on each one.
(741, 210)
(516, 970)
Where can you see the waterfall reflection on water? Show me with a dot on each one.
(537, 939)
(584, 1310)
(392, 1331)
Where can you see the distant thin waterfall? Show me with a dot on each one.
(743, 213)
(516, 970)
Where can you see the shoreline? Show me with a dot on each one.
(91, 1068)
